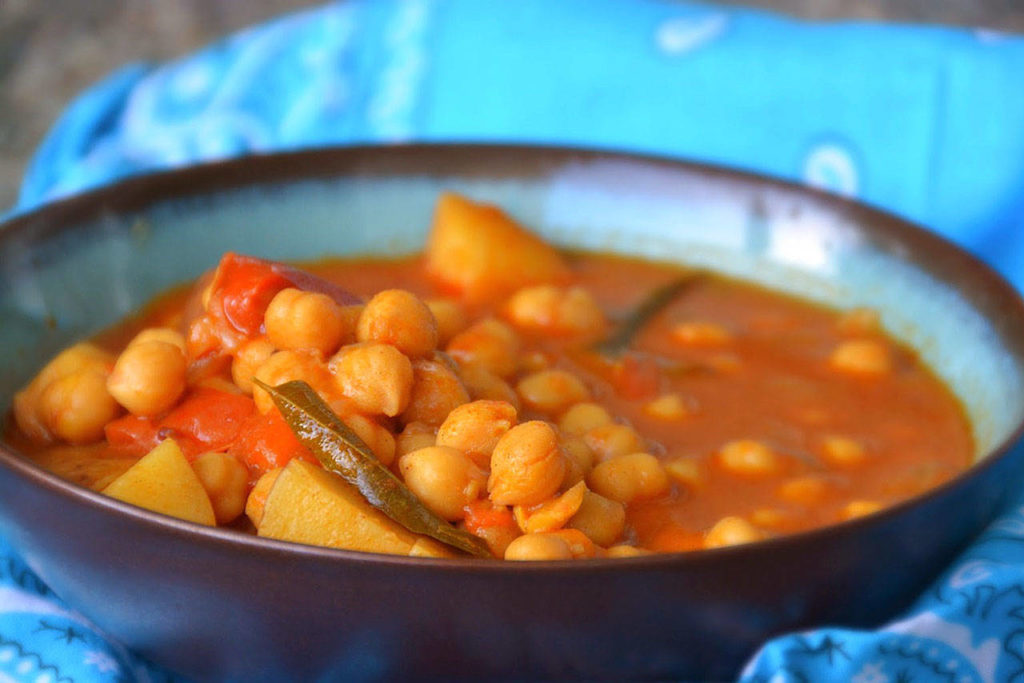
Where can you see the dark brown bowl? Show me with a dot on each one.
(214, 604)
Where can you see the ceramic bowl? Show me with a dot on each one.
(213, 604)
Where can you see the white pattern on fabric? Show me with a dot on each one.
(685, 35)
(831, 167)
(390, 112)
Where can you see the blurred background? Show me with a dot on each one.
(51, 49)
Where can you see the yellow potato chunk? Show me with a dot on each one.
(308, 504)
(164, 481)
(478, 251)
(91, 466)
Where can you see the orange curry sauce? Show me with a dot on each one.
(770, 381)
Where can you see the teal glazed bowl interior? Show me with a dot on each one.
(213, 604)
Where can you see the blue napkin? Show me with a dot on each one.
(925, 122)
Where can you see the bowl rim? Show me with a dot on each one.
(210, 178)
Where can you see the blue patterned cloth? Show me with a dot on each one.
(924, 122)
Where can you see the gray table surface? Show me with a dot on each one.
(52, 49)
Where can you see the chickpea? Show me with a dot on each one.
(376, 377)
(163, 334)
(76, 406)
(26, 415)
(399, 318)
(534, 361)
(376, 437)
(843, 451)
(579, 545)
(579, 459)
(488, 343)
(475, 428)
(148, 377)
(248, 357)
(415, 436)
(349, 321)
(498, 538)
(527, 465)
(554, 310)
(859, 321)
(481, 383)
(603, 520)
(775, 519)
(807, 490)
(701, 334)
(226, 481)
(436, 391)
(862, 357)
(78, 357)
(860, 508)
(667, 407)
(749, 458)
(296, 319)
(732, 531)
(626, 478)
(582, 417)
(288, 366)
(551, 391)
(450, 316)
(28, 412)
(574, 473)
(725, 363)
(685, 471)
(610, 440)
(444, 478)
(533, 547)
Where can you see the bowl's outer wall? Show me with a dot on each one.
(219, 606)
(218, 610)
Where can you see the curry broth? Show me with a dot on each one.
(770, 382)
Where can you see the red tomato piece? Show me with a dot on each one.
(135, 434)
(244, 287)
(636, 377)
(207, 420)
(481, 514)
(267, 442)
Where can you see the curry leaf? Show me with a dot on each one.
(652, 304)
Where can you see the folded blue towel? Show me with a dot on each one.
(924, 122)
